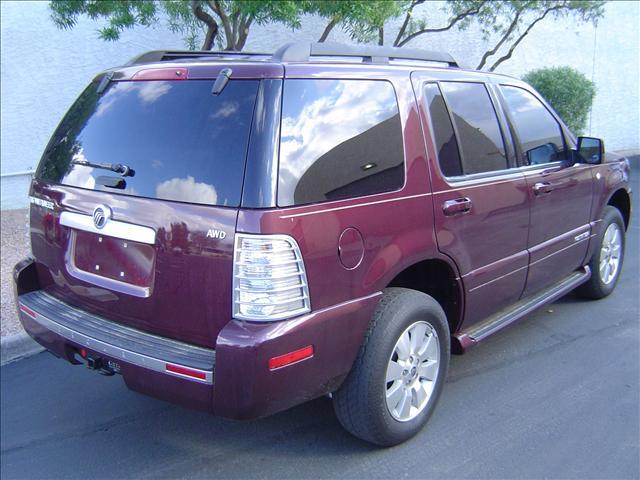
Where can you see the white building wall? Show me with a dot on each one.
(43, 69)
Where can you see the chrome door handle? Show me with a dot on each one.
(457, 206)
(542, 188)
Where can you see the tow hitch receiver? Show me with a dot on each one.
(101, 366)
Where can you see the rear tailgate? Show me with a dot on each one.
(149, 246)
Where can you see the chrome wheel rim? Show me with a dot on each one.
(412, 371)
(610, 253)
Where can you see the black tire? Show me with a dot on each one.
(596, 288)
(360, 403)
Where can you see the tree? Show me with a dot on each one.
(227, 23)
(506, 21)
(224, 22)
(568, 91)
(361, 19)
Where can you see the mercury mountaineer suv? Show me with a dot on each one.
(241, 233)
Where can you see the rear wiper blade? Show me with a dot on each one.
(120, 168)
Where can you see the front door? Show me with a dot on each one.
(560, 196)
(481, 204)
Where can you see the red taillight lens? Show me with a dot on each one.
(291, 357)
(185, 371)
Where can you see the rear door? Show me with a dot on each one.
(481, 207)
(144, 182)
(560, 196)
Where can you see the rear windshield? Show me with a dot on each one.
(179, 141)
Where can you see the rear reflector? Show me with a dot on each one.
(28, 311)
(291, 357)
(185, 371)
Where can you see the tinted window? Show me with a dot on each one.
(182, 142)
(339, 139)
(476, 126)
(539, 133)
(445, 139)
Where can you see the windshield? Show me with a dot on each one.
(171, 140)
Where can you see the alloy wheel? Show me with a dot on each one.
(610, 253)
(412, 371)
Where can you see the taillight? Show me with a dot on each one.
(269, 280)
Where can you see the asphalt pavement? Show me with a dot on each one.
(553, 396)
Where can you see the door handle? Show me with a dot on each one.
(457, 206)
(542, 188)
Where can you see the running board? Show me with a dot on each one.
(479, 331)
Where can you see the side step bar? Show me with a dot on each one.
(481, 330)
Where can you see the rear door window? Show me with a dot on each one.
(476, 125)
(339, 139)
(538, 131)
(181, 142)
(444, 136)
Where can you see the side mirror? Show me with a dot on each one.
(590, 150)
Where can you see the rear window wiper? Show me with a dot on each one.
(120, 168)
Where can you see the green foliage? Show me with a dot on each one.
(235, 17)
(121, 14)
(361, 19)
(225, 22)
(568, 91)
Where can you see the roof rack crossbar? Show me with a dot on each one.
(303, 51)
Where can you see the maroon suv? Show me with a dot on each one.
(241, 233)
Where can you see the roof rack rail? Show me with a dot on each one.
(303, 51)
(171, 55)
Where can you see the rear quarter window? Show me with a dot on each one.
(339, 139)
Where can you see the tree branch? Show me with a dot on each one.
(461, 16)
(508, 55)
(243, 33)
(327, 30)
(381, 36)
(216, 7)
(405, 23)
(235, 17)
(209, 21)
(496, 47)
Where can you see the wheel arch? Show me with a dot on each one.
(439, 279)
(621, 200)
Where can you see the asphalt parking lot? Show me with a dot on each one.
(554, 396)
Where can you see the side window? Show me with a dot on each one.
(445, 138)
(477, 128)
(339, 139)
(539, 133)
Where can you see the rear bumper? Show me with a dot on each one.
(115, 341)
(234, 380)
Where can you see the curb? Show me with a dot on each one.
(18, 346)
